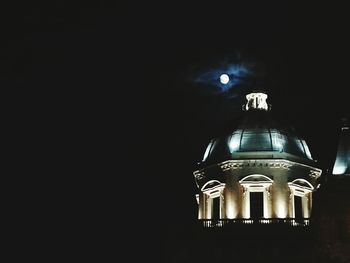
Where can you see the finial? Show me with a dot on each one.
(257, 100)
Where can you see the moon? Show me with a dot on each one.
(224, 79)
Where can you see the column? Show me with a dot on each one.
(232, 198)
(307, 205)
(202, 205)
(222, 204)
(280, 198)
(245, 203)
(208, 207)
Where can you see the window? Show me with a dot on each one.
(256, 204)
(216, 208)
(298, 212)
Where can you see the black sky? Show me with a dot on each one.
(305, 57)
(114, 81)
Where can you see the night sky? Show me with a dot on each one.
(302, 65)
(121, 82)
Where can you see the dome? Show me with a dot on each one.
(257, 136)
(342, 161)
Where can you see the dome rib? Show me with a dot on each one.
(258, 133)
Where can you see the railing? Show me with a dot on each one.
(299, 222)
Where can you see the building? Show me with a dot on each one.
(261, 195)
(261, 172)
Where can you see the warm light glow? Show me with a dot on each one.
(281, 207)
(231, 211)
(236, 201)
(224, 79)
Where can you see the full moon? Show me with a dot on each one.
(224, 79)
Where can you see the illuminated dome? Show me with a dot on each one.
(257, 136)
(259, 172)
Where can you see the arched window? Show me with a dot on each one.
(212, 188)
(301, 202)
(214, 201)
(302, 184)
(255, 196)
(256, 178)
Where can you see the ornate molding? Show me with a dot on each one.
(271, 163)
(274, 164)
(231, 165)
(315, 173)
(280, 165)
(199, 175)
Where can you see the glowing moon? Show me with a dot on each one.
(224, 78)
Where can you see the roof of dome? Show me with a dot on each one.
(342, 161)
(257, 136)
